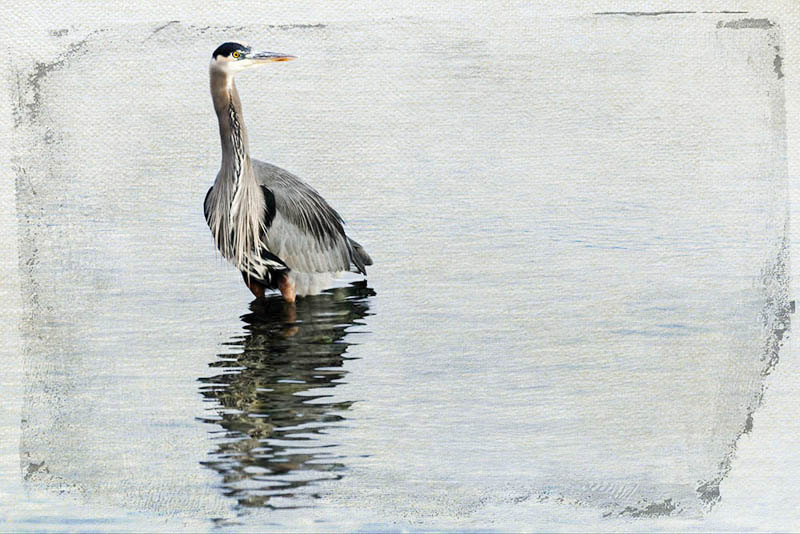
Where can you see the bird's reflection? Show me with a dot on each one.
(270, 399)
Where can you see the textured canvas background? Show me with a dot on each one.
(97, 151)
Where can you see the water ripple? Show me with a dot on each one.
(272, 403)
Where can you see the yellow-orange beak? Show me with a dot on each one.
(268, 57)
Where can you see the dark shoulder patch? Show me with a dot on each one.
(269, 197)
(205, 203)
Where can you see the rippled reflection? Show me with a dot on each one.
(271, 399)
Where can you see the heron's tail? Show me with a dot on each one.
(359, 256)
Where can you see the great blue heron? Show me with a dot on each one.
(276, 229)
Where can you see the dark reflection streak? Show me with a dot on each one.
(268, 399)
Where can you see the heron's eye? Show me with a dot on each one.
(235, 54)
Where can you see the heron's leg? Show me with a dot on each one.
(287, 289)
(255, 288)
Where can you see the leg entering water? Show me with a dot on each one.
(287, 289)
(255, 288)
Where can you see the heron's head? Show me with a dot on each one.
(234, 57)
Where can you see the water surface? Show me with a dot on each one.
(271, 406)
(579, 281)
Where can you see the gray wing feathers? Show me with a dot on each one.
(306, 232)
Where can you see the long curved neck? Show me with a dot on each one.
(236, 205)
(232, 131)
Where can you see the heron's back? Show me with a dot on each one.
(306, 232)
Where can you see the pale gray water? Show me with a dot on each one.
(579, 279)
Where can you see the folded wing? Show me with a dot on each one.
(303, 230)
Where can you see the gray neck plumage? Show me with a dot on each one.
(232, 131)
(235, 206)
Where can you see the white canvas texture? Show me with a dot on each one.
(580, 220)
